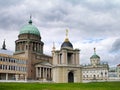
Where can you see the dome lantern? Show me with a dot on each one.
(94, 55)
(30, 21)
(67, 43)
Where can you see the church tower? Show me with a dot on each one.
(30, 46)
(66, 65)
(29, 39)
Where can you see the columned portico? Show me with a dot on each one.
(43, 72)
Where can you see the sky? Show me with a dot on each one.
(91, 23)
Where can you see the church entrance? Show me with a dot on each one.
(70, 77)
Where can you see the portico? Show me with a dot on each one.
(43, 71)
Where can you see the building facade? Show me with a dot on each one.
(12, 67)
(29, 62)
(118, 71)
(30, 46)
(66, 67)
(112, 73)
(95, 70)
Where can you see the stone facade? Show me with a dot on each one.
(66, 67)
(96, 70)
(118, 71)
(12, 67)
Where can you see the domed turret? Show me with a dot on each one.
(95, 59)
(67, 43)
(94, 56)
(29, 29)
(29, 39)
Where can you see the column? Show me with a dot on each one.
(64, 57)
(43, 73)
(46, 74)
(6, 76)
(36, 72)
(77, 57)
(16, 77)
(37, 47)
(40, 48)
(25, 77)
(20, 46)
(73, 61)
(49, 73)
(40, 72)
(57, 58)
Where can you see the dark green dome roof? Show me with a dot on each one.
(29, 29)
(67, 43)
(94, 56)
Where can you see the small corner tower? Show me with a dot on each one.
(95, 59)
(66, 63)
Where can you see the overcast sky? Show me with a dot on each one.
(91, 23)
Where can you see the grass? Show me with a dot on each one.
(61, 86)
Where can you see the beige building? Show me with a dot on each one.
(12, 67)
(96, 70)
(66, 67)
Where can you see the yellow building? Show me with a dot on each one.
(12, 67)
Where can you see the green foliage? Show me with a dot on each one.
(61, 86)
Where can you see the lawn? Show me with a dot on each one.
(61, 86)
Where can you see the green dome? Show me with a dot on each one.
(94, 56)
(29, 29)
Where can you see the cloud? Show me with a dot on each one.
(115, 46)
(91, 23)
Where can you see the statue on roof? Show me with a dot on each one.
(4, 45)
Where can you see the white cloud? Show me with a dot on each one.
(92, 23)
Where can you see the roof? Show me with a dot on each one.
(44, 63)
(94, 56)
(8, 52)
(29, 29)
(67, 44)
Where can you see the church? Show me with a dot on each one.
(29, 62)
